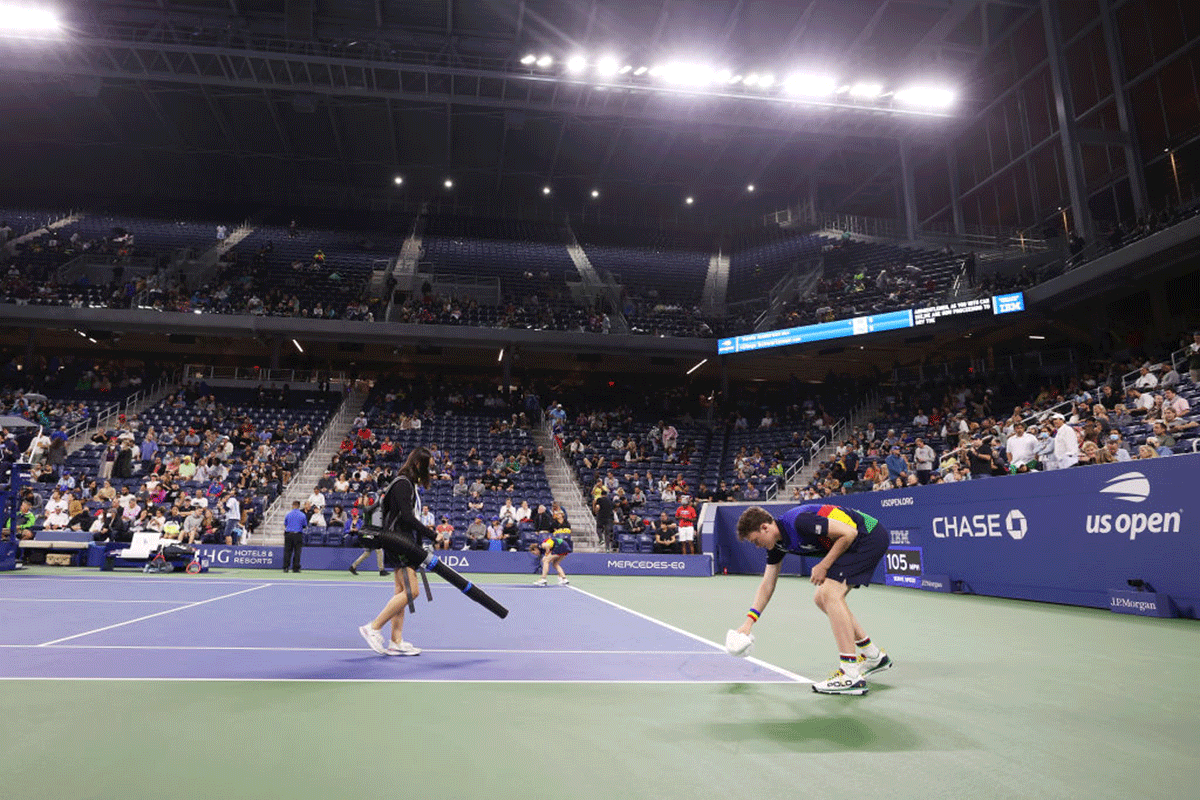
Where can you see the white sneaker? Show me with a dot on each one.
(841, 683)
(563, 582)
(869, 666)
(374, 639)
(540, 582)
(402, 648)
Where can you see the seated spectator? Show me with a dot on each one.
(666, 535)
(444, 531)
(477, 535)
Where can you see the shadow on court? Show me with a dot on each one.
(845, 727)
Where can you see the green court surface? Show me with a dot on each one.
(989, 699)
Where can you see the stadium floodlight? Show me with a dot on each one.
(926, 96)
(19, 20)
(545, 190)
(766, 80)
(641, 70)
(723, 75)
(398, 180)
(751, 79)
(595, 193)
(449, 184)
(736, 79)
(750, 188)
(529, 59)
(690, 200)
(656, 70)
(576, 64)
(683, 73)
(545, 61)
(866, 91)
(625, 69)
(607, 66)
(809, 85)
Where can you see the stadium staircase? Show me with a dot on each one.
(565, 489)
(405, 270)
(70, 219)
(801, 477)
(716, 282)
(203, 270)
(270, 532)
(592, 284)
(134, 404)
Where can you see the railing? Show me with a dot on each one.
(1177, 358)
(820, 444)
(116, 409)
(260, 375)
(312, 463)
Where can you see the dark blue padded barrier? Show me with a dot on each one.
(340, 558)
(1066, 536)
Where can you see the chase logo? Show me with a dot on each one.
(726, 346)
(1132, 487)
(1016, 525)
(1008, 303)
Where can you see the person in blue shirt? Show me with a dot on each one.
(293, 536)
(851, 545)
(897, 464)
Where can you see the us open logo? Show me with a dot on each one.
(1132, 487)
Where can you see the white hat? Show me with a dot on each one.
(1057, 416)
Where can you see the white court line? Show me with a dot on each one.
(539, 681)
(358, 649)
(152, 616)
(787, 673)
(78, 600)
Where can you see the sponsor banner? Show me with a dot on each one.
(935, 583)
(1063, 536)
(340, 558)
(1144, 604)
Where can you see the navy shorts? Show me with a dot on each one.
(855, 566)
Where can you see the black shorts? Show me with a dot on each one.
(855, 566)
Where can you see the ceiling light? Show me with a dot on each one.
(1036, 336)
(529, 59)
(807, 85)
(398, 180)
(766, 79)
(607, 66)
(22, 19)
(641, 71)
(926, 96)
(702, 362)
(750, 188)
(449, 184)
(625, 69)
(752, 79)
(576, 64)
(866, 91)
(545, 190)
(690, 200)
(500, 357)
(298, 347)
(595, 193)
(545, 61)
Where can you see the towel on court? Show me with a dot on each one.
(739, 644)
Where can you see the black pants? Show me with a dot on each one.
(293, 543)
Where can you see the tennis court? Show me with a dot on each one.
(252, 684)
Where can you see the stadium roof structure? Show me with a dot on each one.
(327, 101)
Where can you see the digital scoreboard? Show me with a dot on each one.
(873, 323)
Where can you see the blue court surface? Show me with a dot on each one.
(199, 628)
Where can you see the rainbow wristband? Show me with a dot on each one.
(753, 614)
